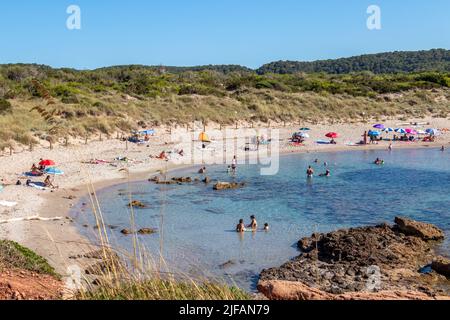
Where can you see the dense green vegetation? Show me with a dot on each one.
(125, 97)
(390, 62)
(14, 256)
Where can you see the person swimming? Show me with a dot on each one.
(378, 161)
(310, 172)
(326, 174)
(241, 226)
(202, 170)
(266, 227)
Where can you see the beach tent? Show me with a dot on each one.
(203, 137)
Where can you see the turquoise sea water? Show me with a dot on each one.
(197, 230)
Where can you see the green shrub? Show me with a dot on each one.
(5, 106)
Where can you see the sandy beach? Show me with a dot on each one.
(58, 240)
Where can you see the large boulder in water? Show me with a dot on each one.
(424, 231)
(441, 265)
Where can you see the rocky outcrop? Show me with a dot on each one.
(424, 231)
(441, 265)
(378, 258)
(228, 185)
(288, 290)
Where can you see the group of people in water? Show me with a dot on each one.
(310, 171)
(253, 226)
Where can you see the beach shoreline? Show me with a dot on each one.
(57, 241)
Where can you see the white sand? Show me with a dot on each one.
(57, 240)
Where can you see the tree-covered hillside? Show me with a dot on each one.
(390, 62)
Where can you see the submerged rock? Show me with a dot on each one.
(137, 204)
(146, 231)
(374, 258)
(182, 180)
(228, 185)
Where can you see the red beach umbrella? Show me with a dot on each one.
(47, 163)
(332, 135)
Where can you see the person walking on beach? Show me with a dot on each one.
(310, 172)
(365, 137)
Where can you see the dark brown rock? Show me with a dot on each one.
(347, 260)
(441, 265)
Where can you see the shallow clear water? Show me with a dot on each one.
(198, 222)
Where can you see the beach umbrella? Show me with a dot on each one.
(305, 129)
(373, 133)
(388, 129)
(432, 131)
(400, 130)
(203, 137)
(409, 130)
(47, 163)
(421, 132)
(53, 171)
(303, 135)
(379, 126)
(332, 135)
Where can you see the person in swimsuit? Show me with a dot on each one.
(326, 174)
(310, 172)
(234, 164)
(240, 227)
(253, 224)
(266, 227)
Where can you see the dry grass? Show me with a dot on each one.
(107, 114)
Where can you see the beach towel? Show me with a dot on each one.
(7, 203)
(322, 142)
(37, 185)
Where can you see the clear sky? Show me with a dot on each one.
(197, 32)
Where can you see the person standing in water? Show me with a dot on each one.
(253, 224)
(310, 172)
(241, 226)
(442, 148)
(234, 164)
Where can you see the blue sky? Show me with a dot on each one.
(197, 32)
